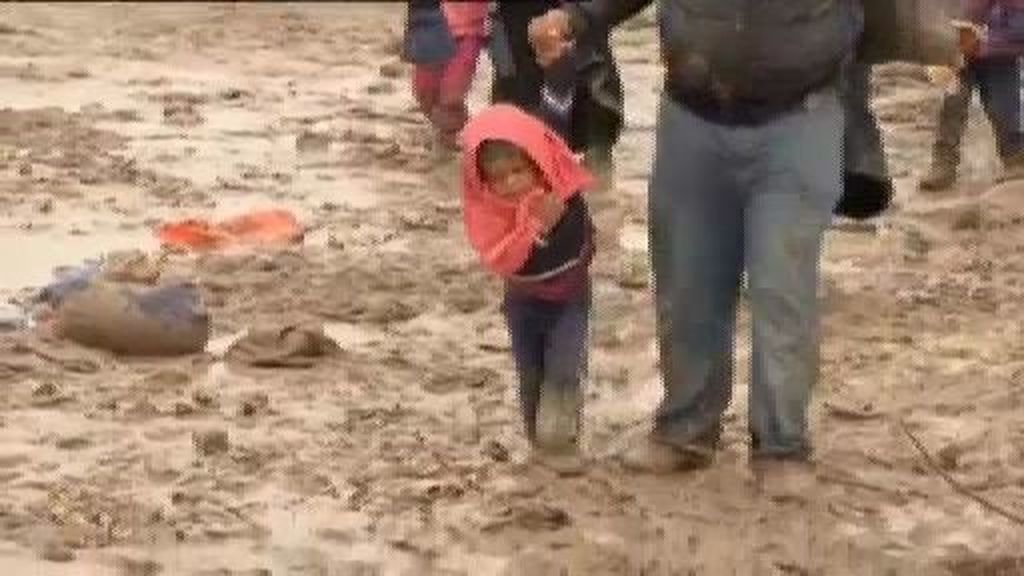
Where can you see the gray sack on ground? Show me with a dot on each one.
(135, 321)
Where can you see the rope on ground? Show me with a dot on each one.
(957, 486)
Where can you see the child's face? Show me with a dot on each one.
(511, 177)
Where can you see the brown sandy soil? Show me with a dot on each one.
(404, 456)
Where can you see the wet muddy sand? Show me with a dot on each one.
(403, 455)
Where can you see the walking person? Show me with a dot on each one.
(589, 116)
(444, 41)
(993, 69)
(526, 218)
(748, 166)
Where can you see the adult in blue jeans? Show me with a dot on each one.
(747, 171)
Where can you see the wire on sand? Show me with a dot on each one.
(963, 490)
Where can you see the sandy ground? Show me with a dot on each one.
(405, 456)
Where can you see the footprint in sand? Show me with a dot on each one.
(310, 142)
(10, 465)
(380, 88)
(181, 109)
(182, 114)
(133, 567)
(459, 379)
(73, 443)
(980, 565)
(56, 552)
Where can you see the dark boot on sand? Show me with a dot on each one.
(941, 176)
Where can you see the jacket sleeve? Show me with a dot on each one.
(564, 242)
(600, 16)
(502, 251)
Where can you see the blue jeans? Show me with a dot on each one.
(725, 198)
(549, 345)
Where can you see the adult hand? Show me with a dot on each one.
(548, 209)
(550, 36)
(970, 42)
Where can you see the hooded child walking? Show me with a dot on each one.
(526, 218)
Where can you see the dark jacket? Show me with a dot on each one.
(754, 48)
(1005, 21)
(597, 116)
(559, 269)
(740, 61)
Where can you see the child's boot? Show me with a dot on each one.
(557, 431)
(558, 418)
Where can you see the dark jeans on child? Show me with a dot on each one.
(549, 343)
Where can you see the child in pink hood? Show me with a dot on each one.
(526, 218)
(441, 88)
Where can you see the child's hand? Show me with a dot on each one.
(549, 209)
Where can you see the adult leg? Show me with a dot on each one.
(792, 186)
(867, 186)
(522, 86)
(696, 232)
(598, 128)
(950, 131)
(999, 80)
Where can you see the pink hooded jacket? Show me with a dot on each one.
(503, 233)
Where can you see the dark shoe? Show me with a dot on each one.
(941, 176)
(863, 196)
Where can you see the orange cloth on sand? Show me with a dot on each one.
(269, 227)
(502, 232)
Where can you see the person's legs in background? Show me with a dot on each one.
(597, 152)
(451, 112)
(867, 184)
(999, 81)
(950, 131)
(597, 117)
(426, 87)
